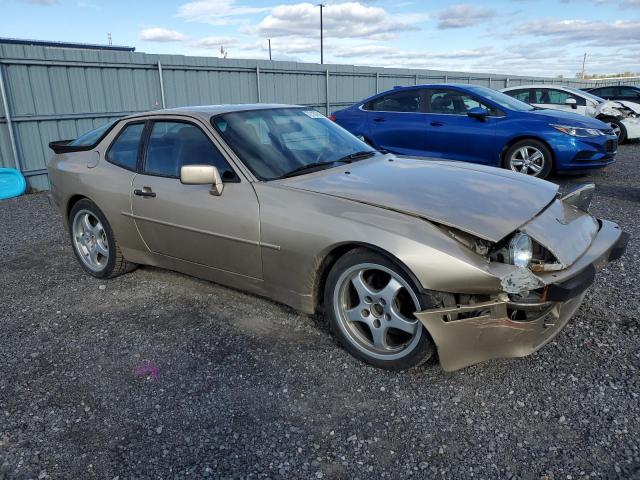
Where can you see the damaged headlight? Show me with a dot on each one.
(520, 250)
(577, 131)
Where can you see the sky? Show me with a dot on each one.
(518, 37)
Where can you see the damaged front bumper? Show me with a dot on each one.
(468, 334)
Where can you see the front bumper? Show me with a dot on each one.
(574, 154)
(487, 330)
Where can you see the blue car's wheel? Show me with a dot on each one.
(530, 157)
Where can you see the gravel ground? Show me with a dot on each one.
(159, 375)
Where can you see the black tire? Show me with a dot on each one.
(619, 126)
(419, 351)
(115, 264)
(530, 143)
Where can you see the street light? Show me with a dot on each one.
(321, 35)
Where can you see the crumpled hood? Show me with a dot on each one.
(485, 201)
(618, 108)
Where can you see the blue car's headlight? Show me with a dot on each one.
(578, 131)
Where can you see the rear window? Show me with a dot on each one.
(92, 137)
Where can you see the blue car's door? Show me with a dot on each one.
(396, 123)
(452, 134)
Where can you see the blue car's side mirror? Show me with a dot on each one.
(478, 113)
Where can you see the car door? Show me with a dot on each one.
(186, 221)
(452, 133)
(395, 122)
(556, 99)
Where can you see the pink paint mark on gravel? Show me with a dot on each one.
(147, 370)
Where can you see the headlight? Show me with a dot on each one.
(520, 250)
(577, 131)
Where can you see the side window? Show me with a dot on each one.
(405, 101)
(606, 92)
(522, 95)
(628, 93)
(174, 144)
(124, 150)
(552, 96)
(453, 102)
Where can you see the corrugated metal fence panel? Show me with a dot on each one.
(59, 93)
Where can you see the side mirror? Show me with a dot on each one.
(572, 102)
(478, 113)
(202, 175)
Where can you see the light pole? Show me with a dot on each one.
(321, 35)
(269, 49)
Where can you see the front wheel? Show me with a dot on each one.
(370, 304)
(619, 129)
(530, 157)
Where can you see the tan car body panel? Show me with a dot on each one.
(271, 238)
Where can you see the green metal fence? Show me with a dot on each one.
(53, 93)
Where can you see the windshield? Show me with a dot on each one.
(502, 99)
(275, 142)
(582, 93)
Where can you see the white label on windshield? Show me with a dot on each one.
(313, 114)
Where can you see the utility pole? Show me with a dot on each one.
(584, 60)
(269, 48)
(109, 38)
(321, 35)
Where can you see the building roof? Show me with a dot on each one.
(48, 43)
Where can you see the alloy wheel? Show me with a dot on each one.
(90, 240)
(374, 307)
(528, 160)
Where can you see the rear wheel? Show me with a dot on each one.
(530, 157)
(93, 242)
(370, 304)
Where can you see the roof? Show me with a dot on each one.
(540, 85)
(207, 111)
(49, 43)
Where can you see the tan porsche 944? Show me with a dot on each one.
(404, 256)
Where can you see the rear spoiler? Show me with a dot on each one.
(62, 146)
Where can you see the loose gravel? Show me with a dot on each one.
(159, 375)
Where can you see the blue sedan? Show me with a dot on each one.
(477, 124)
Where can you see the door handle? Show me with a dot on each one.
(378, 119)
(145, 192)
(436, 124)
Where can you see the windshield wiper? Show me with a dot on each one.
(357, 156)
(311, 166)
(346, 159)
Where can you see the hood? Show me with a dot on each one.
(568, 118)
(485, 201)
(618, 108)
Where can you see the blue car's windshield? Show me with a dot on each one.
(280, 142)
(505, 101)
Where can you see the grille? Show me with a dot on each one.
(611, 146)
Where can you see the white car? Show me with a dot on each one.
(624, 117)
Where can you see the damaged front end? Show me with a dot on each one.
(544, 270)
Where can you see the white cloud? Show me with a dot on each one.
(591, 32)
(216, 12)
(215, 42)
(460, 16)
(159, 34)
(41, 2)
(343, 20)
